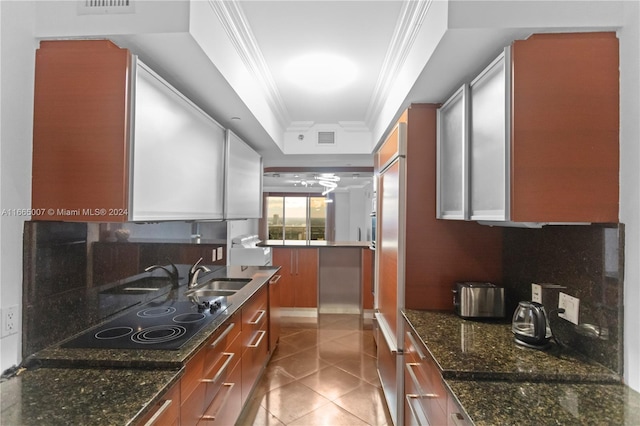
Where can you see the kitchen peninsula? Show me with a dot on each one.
(324, 276)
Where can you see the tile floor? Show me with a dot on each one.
(322, 373)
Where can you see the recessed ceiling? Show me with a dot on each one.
(288, 30)
(231, 59)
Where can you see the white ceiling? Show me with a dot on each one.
(228, 57)
(360, 31)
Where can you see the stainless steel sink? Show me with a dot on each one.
(218, 287)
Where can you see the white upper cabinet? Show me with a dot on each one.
(177, 155)
(243, 183)
(452, 148)
(489, 141)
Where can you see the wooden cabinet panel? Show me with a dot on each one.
(367, 278)
(80, 132)
(255, 340)
(227, 404)
(165, 412)
(299, 271)
(283, 257)
(274, 312)
(423, 378)
(306, 292)
(565, 131)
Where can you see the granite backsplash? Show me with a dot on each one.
(69, 265)
(585, 262)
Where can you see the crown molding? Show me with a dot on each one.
(407, 28)
(241, 36)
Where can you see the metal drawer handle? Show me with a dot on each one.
(164, 407)
(275, 279)
(211, 418)
(223, 335)
(457, 419)
(416, 346)
(221, 370)
(255, 345)
(416, 382)
(417, 414)
(262, 312)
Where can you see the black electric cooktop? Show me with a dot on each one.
(156, 325)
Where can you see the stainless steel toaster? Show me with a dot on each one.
(478, 300)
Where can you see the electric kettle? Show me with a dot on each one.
(530, 325)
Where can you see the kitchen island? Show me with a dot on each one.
(491, 380)
(66, 385)
(324, 276)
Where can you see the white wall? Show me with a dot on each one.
(16, 121)
(630, 185)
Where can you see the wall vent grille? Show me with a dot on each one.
(105, 7)
(326, 138)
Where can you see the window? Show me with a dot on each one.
(296, 217)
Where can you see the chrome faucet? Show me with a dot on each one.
(173, 273)
(195, 271)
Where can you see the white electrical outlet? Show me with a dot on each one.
(571, 306)
(536, 293)
(219, 253)
(10, 320)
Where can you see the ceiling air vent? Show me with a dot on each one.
(105, 7)
(326, 138)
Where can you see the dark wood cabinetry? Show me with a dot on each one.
(367, 265)
(565, 128)
(255, 340)
(166, 412)
(207, 375)
(274, 312)
(82, 168)
(299, 271)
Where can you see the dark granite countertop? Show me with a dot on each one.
(470, 349)
(314, 244)
(110, 386)
(491, 403)
(57, 356)
(70, 396)
(498, 382)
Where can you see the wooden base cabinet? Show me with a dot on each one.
(255, 340)
(427, 399)
(206, 374)
(299, 271)
(166, 412)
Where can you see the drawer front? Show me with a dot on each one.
(221, 341)
(227, 404)
(456, 415)
(424, 379)
(166, 411)
(254, 315)
(253, 359)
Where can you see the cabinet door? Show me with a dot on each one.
(367, 278)
(306, 278)
(283, 257)
(243, 180)
(452, 157)
(178, 155)
(490, 141)
(80, 144)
